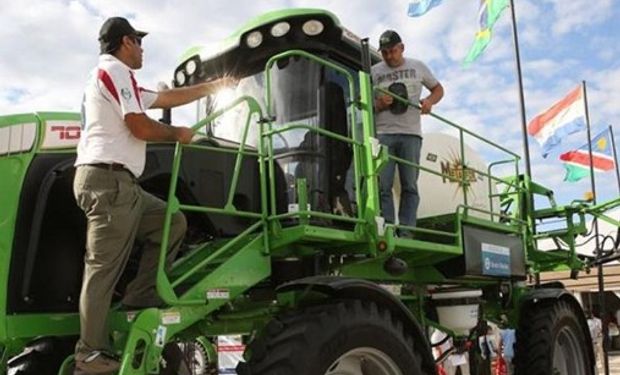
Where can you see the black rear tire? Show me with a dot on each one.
(313, 340)
(553, 339)
(42, 356)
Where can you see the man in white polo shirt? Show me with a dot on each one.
(111, 156)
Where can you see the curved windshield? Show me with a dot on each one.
(294, 92)
(305, 96)
(230, 125)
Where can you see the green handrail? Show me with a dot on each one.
(315, 129)
(448, 122)
(494, 164)
(464, 183)
(321, 215)
(351, 105)
(254, 107)
(222, 211)
(425, 169)
(462, 131)
(164, 286)
(500, 215)
(239, 159)
(203, 263)
(423, 230)
(220, 150)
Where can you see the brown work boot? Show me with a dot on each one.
(96, 362)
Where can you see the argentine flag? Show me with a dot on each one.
(419, 7)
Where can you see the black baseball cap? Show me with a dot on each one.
(112, 32)
(389, 39)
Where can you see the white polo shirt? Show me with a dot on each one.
(110, 94)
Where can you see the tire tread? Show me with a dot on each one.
(275, 350)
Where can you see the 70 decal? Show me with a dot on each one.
(61, 134)
(66, 132)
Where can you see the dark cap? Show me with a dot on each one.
(113, 30)
(389, 39)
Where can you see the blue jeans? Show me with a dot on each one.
(404, 146)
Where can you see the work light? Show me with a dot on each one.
(180, 77)
(254, 39)
(190, 67)
(280, 29)
(312, 27)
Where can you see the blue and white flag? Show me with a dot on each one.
(419, 7)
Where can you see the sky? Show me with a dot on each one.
(50, 46)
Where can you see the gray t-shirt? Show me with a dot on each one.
(413, 74)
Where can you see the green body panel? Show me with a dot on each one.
(13, 167)
(208, 291)
(33, 325)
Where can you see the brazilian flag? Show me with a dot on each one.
(490, 10)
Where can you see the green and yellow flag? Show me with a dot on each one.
(490, 10)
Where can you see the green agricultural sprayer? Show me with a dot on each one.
(286, 245)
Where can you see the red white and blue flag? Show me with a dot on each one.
(577, 162)
(565, 117)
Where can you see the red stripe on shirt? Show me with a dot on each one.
(542, 119)
(135, 90)
(108, 83)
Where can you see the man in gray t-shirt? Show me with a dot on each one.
(398, 125)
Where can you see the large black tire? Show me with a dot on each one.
(553, 339)
(43, 356)
(313, 340)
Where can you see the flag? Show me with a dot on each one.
(565, 117)
(420, 7)
(490, 10)
(577, 163)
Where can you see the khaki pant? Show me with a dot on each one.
(451, 369)
(599, 354)
(510, 367)
(118, 214)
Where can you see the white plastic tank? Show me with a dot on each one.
(439, 195)
(458, 310)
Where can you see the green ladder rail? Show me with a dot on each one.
(165, 286)
(464, 209)
(271, 130)
(209, 276)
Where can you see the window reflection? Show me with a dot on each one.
(302, 93)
